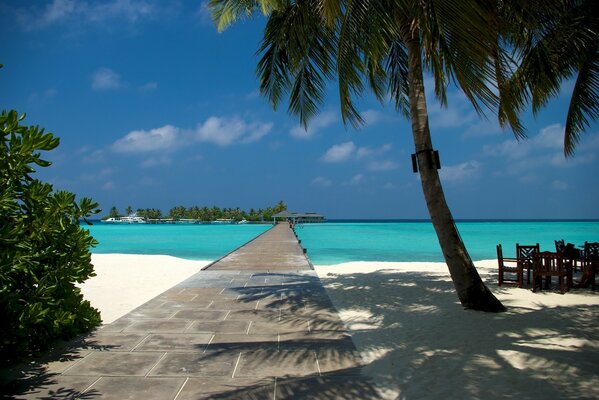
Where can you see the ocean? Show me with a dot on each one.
(342, 241)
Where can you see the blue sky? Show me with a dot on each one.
(155, 108)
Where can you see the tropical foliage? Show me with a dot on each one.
(44, 250)
(208, 213)
(541, 45)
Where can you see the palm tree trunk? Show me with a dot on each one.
(471, 290)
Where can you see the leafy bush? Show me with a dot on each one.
(43, 250)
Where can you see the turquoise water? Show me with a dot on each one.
(333, 243)
(336, 242)
(194, 242)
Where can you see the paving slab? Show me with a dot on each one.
(257, 324)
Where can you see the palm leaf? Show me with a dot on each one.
(584, 102)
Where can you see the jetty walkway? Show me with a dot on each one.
(256, 324)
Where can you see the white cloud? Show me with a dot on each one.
(459, 111)
(551, 137)
(389, 186)
(203, 14)
(155, 161)
(319, 122)
(58, 10)
(542, 150)
(371, 117)
(108, 186)
(165, 138)
(99, 175)
(225, 132)
(384, 165)
(322, 181)
(466, 170)
(130, 10)
(512, 149)
(148, 87)
(483, 127)
(45, 95)
(363, 152)
(72, 11)
(106, 79)
(219, 131)
(339, 152)
(356, 179)
(96, 156)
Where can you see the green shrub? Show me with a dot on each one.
(43, 250)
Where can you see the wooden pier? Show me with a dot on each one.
(256, 324)
(276, 249)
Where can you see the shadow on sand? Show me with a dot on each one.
(417, 342)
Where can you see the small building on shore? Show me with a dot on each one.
(298, 218)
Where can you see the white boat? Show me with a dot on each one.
(223, 221)
(130, 219)
(243, 221)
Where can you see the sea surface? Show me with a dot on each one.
(342, 241)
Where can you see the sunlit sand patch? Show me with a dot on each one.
(479, 362)
(360, 319)
(422, 308)
(374, 354)
(541, 367)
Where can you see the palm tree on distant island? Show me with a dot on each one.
(387, 46)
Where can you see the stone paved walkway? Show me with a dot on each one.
(257, 324)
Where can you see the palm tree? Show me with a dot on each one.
(382, 44)
(129, 210)
(280, 206)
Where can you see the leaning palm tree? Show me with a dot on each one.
(387, 45)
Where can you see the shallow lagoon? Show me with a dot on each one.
(337, 242)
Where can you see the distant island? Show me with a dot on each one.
(195, 214)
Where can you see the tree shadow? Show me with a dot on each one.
(41, 378)
(418, 342)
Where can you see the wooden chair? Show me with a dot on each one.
(524, 255)
(590, 264)
(547, 264)
(508, 273)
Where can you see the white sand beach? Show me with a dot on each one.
(124, 282)
(415, 338)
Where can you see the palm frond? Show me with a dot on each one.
(296, 57)
(273, 66)
(584, 103)
(350, 64)
(397, 71)
(457, 41)
(226, 12)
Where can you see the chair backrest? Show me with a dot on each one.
(591, 251)
(548, 262)
(559, 245)
(499, 255)
(525, 252)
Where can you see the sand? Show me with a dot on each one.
(123, 282)
(414, 337)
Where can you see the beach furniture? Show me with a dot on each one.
(508, 273)
(547, 264)
(524, 255)
(572, 255)
(590, 263)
